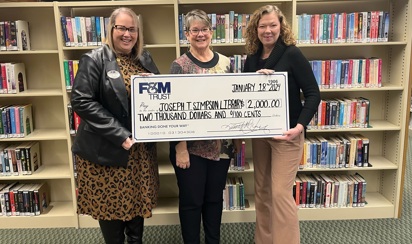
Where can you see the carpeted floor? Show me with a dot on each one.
(375, 231)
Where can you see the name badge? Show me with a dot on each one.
(114, 74)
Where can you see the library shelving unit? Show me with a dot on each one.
(46, 94)
(44, 67)
(389, 106)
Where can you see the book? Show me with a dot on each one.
(83, 31)
(23, 35)
(362, 193)
(11, 151)
(2, 186)
(320, 191)
(70, 31)
(328, 198)
(296, 190)
(16, 77)
(78, 31)
(26, 119)
(41, 197)
(74, 30)
(242, 204)
(2, 37)
(67, 74)
(11, 41)
(64, 31)
(32, 157)
(14, 200)
(5, 199)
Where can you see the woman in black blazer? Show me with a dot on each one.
(117, 178)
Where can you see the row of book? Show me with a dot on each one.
(238, 162)
(74, 120)
(21, 158)
(227, 28)
(237, 63)
(341, 113)
(16, 120)
(82, 31)
(14, 35)
(24, 199)
(329, 191)
(70, 71)
(12, 78)
(349, 73)
(71, 67)
(371, 26)
(335, 152)
(234, 194)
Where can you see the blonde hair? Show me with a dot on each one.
(197, 14)
(252, 40)
(138, 47)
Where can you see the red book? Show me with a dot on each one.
(76, 121)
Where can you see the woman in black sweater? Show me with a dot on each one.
(271, 47)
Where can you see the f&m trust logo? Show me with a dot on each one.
(155, 90)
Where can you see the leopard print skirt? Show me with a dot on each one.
(119, 193)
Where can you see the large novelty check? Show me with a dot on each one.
(209, 106)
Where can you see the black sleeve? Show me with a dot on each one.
(85, 102)
(306, 80)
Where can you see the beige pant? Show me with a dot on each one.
(276, 163)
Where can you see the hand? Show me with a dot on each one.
(128, 143)
(291, 133)
(182, 159)
(266, 71)
(182, 155)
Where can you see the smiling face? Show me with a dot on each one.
(269, 29)
(124, 40)
(199, 35)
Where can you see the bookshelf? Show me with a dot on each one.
(390, 104)
(47, 95)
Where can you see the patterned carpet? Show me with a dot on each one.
(375, 231)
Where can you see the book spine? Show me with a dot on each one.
(64, 30)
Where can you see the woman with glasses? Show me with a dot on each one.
(200, 166)
(117, 178)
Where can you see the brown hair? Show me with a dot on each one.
(252, 40)
(138, 47)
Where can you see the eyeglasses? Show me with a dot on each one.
(123, 29)
(197, 31)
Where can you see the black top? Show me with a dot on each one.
(300, 78)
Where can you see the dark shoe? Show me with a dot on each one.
(113, 231)
(134, 230)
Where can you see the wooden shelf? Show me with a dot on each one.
(377, 162)
(31, 52)
(167, 213)
(377, 207)
(399, 43)
(44, 172)
(166, 168)
(58, 215)
(85, 4)
(375, 125)
(41, 135)
(36, 93)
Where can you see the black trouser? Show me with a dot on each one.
(114, 230)
(201, 197)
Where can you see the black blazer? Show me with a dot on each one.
(103, 106)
